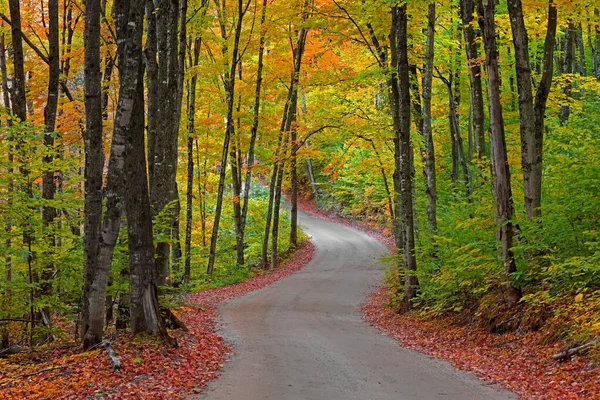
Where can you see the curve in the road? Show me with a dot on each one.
(303, 338)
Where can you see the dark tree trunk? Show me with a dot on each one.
(187, 272)
(230, 77)
(236, 178)
(532, 112)
(568, 67)
(129, 124)
(458, 148)
(255, 121)
(50, 111)
(95, 279)
(19, 102)
(581, 65)
(429, 167)
(472, 51)
(499, 158)
(292, 114)
(403, 182)
(164, 129)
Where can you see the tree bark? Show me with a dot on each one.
(95, 279)
(129, 123)
(403, 183)
(499, 159)
(230, 77)
(467, 8)
(429, 167)
(532, 112)
(292, 115)
(190, 166)
(19, 101)
(50, 111)
(164, 131)
(255, 120)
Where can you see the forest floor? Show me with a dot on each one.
(149, 370)
(520, 362)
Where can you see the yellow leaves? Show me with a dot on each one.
(579, 297)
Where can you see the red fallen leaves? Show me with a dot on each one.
(149, 370)
(517, 362)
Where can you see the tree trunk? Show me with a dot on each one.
(459, 148)
(472, 51)
(255, 120)
(190, 167)
(581, 65)
(5, 338)
(129, 123)
(499, 159)
(19, 102)
(95, 280)
(402, 149)
(50, 110)
(292, 113)
(568, 67)
(429, 167)
(164, 130)
(532, 113)
(230, 77)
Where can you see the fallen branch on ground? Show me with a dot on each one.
(566, 354)
(115, 362)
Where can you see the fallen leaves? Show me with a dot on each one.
(519, 363)
(149, 370)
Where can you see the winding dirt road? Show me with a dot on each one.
(303, 338)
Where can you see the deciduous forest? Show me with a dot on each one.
(153, 152)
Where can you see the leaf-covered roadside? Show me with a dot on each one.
(518, 362)
(149, 370)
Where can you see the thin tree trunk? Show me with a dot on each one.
(568, 67)
(597, 47)
(230, 78)
(255, 120)
(308, 165)
(499, 159)
(292, 113)
(472, 52)
(429, 167)
(5, 339)
(455, 129)
(190, 166)
(50, 111)
(581, 50)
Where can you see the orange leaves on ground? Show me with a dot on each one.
(518, 362)
(149, 370)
